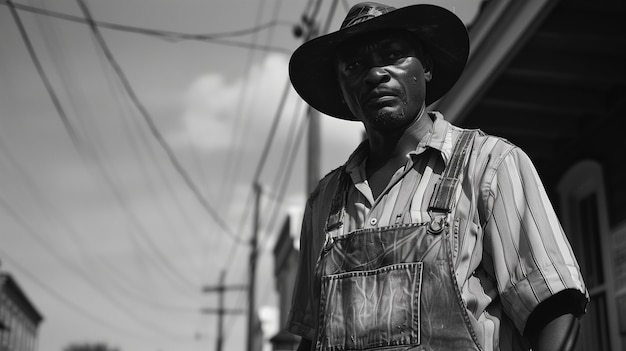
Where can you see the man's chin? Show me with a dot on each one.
(389, 120)
(385, 112)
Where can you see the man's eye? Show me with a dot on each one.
(352, 66)
(392, 55)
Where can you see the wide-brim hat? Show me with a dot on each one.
(440, 32)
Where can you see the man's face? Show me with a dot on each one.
(382, 79)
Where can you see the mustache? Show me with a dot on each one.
(381, 92)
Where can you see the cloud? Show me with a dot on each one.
(206, 112)
(218, 113)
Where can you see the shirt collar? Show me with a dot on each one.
(439, 139)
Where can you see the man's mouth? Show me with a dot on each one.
(380, 97)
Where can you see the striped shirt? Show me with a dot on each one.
(509, 250)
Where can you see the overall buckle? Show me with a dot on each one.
(437, 223)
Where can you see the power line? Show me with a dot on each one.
(263, 159)
(80, 147)
(58, 105)
(152, 126)
(271, 223)
(70, 303)
(231, 169)
(59, 108)
(116, 277)
(273, 129)
(216, 38)
(287, 161)
(220, 289)
(75, 268)
(44, 78)
(270, 137)
(72, 94)
(127, 111)
(283, 180)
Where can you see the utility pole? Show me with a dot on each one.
(221, 311)
(309, 29)
(253, 262)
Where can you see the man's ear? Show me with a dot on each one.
(428, 75)
(427, 63)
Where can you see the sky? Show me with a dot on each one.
(126, 185)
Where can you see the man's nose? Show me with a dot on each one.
(377, 74)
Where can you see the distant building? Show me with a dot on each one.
(19, 319)
(285, 264)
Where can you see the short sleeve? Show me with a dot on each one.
(531, 256)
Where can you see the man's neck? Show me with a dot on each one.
(397, 144)
(388, 152)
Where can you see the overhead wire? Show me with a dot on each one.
(215, 38)
(284, 181)
(118, 278)
(272, 132)
(267, 146)
(231, 169)
(85, 312)
(163, 261)
(269, 139)
(92, 26)
(82, 151)
(314, 12)
(161, 34)
(265, 152)
(44, 78)
(152, 126)
(294, 150)
(272, 221)
(55, 48)
(67, 124)
(135, 143)
(8, 209)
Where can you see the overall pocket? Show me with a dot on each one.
(360, 310)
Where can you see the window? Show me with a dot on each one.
(584, 218)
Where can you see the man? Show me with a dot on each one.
(430, 237)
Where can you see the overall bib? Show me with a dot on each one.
(394, 287)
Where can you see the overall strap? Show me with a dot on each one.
(445, 189)
(335, 217)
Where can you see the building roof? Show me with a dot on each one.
(10, 288)
(547, 75)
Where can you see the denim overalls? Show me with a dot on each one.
(393, 288)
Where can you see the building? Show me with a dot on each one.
(285, 263)
(19, 319)
(549, 76)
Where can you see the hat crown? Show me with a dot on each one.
(364, 11)
(312, 68)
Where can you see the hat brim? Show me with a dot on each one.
(442, 34)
